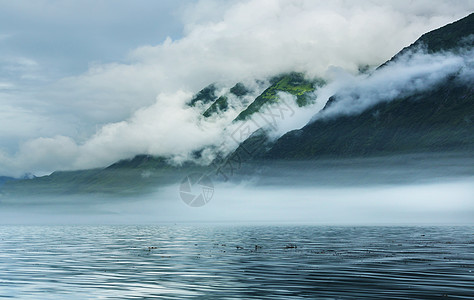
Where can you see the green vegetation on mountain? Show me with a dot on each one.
(440, 120)
(220, 105)
(239, 90)
(205, 96)
(293, 83)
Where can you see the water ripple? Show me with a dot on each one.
(235, 262)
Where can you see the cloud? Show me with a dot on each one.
(413, 72)
(169, 128)
(112, 111)
(173, 129)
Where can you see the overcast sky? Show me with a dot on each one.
(82, 78)
(64, 37)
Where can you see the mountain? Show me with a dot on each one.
(221, 104)
(215, 104)
(204, 96)
(130, 176)
(293, 83)
(451, 37)
(436, 119)
(4, 179)
(439, 119)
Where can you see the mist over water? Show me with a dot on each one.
(405, 189)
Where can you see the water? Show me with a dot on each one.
(235, 262)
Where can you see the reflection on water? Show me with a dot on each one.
(223, 261)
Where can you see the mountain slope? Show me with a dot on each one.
(205, 96)
(451, 37)
(440, 119)
(130, 176)
(293, 83)
(4, 179)
(221, 104)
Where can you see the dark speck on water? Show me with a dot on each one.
(109, 262)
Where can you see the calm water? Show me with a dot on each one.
(230, 262)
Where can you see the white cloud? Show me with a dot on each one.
(413, 72)
(223, 42)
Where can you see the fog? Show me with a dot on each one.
(414, 71)
(136, 105)
(414, 189)
(172, 129)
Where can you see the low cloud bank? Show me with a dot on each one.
(112, 111)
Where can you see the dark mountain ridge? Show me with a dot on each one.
(439, 119)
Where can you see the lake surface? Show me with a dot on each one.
(236, 261)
